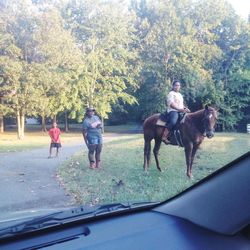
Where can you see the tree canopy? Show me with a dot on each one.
(62, 56)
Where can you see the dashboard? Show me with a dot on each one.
(142, 230)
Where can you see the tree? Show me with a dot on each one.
(57, 67)
(18, 25)
(104, 34)
(41, 57)
(173, 46)
(232, 76)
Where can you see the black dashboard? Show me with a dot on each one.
(142, 230)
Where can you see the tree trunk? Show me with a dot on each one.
(1, 124)
(102, 125)
(1, 119)
(20, 124)
(44, 129)
(54, 119)
(66, 125)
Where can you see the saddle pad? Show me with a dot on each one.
(159, 122)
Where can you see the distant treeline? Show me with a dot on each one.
(57, 57)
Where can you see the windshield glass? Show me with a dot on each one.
(119, 102)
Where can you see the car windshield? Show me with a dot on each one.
(118, 102)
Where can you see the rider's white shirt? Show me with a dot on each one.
(174, 98)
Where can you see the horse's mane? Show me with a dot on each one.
(195, 119)
(197, 113)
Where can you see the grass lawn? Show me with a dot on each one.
(10, 143)
(34, 138)
(122, 179)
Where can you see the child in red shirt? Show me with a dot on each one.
(54, 134)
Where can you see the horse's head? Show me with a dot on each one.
(209, 121)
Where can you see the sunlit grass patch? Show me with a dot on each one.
(10, 143)
(35, 138)
(122, 178)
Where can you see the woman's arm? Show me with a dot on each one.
(84, 133)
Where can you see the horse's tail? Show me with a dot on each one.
(149, 133)
(147, 151)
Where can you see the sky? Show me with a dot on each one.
(242, 7)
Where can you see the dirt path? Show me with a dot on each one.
(28, 179)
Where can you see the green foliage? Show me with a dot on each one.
(205, 47)
(61, 56)
(173, 46)
(104, 34)
(233, 77)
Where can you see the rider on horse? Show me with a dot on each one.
(175, 106)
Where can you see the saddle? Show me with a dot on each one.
(163, 119)
(175, 134)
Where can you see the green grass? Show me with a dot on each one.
(122, 179)
(126, 128)
(10, 143)
(34, 138)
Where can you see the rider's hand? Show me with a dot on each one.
(187, 110)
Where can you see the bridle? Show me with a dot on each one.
(208, 132)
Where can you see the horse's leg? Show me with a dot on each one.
(188, 153)
(156, 152)
(147, 149)
(149, 153)
(195, 147)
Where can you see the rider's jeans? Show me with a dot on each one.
(172, 119)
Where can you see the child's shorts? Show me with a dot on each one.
(55, 145)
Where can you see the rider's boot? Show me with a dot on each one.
(165, 136)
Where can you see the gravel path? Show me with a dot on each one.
(28, 179)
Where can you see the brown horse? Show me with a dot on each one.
(194, 129)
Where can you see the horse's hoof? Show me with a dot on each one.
(189, 175)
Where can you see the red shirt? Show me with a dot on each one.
(54, 134)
